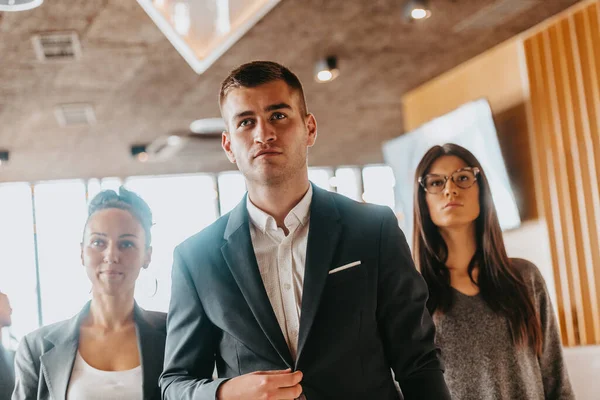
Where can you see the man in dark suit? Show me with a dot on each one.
(298, 292)
(7, 371)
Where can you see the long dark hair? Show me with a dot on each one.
(501, 286)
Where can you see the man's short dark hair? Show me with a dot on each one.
(258, 73)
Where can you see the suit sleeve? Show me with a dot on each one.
(191, 342)
(26, 373)
(405, 325)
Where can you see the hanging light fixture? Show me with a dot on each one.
(417, 9)
(19, 5)
(327, 69)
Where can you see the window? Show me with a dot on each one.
(379, 182)
(232, 188)
(181, 206)
(320, 177)
(60, 212)
(348, 182)
(17, 269)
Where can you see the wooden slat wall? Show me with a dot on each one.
(563, 65)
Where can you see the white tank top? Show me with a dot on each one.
(89, 383)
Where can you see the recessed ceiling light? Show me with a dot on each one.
(327, 69)
(417, 9)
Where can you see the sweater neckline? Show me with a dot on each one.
(465, 295)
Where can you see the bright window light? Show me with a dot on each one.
(232, 188)
(60, 211)
(320, 177)
(379, 182)
(17, 269)
(181, 205)
(348, 183)
(181, 18)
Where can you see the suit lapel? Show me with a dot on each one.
(150, 341)
(57, 363)
(323, 236)
(239, 256)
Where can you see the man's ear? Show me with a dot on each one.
(226, 145)
(311, 126)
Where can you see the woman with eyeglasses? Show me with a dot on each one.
(112, 349)
(495, 324)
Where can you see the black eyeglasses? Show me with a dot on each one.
(464, 178)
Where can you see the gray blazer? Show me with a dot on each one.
(355, 324)
(45, 357)
(7, 373)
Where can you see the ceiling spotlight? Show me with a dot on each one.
(3, 157)
(19, 5)
(327, 69)
(417, 9)
(139, 151)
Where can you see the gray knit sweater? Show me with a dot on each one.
(480, 359)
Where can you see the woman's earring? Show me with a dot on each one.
(155, 284)
(155, 287)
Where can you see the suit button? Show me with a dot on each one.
(287, 286)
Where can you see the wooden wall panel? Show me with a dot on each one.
(564, 115)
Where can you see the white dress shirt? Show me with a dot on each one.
(281, 261)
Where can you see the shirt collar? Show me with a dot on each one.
(264, 221)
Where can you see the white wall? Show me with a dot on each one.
(530, 241)
(583, 363)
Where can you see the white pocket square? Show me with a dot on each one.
(343, 267)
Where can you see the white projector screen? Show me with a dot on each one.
(470, 126)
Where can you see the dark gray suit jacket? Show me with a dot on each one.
(45, 357)
(7, 373)
(355, 324)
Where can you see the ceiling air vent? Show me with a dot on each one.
(75, 114)
(57, 46)
(494, 15)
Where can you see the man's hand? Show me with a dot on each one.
(263, 385)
